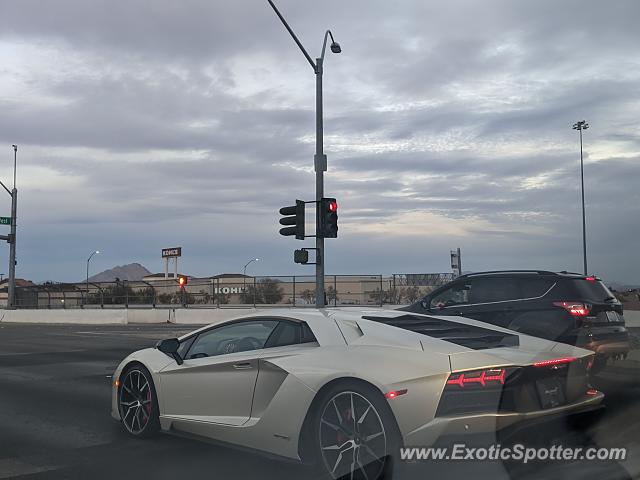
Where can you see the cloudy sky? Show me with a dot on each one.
(145, 124)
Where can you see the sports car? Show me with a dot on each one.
(346, 388)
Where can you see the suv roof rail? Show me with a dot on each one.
(491, 272)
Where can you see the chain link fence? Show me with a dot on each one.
(229, 291)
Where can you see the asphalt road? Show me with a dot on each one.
(54, 419)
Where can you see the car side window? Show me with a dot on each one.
(233, 338)
(534, 287)
(290, 333)
(487, 290)
(457, 294)
(184, 346)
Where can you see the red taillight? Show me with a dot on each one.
(555, 361)
(590, 363)
(395, 393)
(592, 392)
(576, 309)
(482, 377)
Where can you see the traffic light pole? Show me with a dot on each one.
(320, 165)
(11, 294)
(11, 238)
(320, 160)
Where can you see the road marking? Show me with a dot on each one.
(13, 467)
(150, 333)
(47, 352)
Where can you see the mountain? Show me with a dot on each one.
(132, 271)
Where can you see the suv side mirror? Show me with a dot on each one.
(169, 346)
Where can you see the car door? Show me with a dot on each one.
(492, 299)
(483, 298)
(290, 338)
(216, 381)
(452, 300)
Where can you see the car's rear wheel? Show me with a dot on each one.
(356, 436)
(137, 402)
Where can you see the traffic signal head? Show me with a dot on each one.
(328, 212)
(293, 216)
(182, 281)
(301, 256)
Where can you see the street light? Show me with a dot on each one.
(320, 159)
(88, 260)
(244, 273)
(580, 126)
(11, 238)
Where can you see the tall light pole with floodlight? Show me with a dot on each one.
(320, 159)
(580, 126)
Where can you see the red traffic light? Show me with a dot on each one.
(328, 227)
(182, 281)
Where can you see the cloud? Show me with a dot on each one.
(144, 124)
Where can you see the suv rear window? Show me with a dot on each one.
(596, 291)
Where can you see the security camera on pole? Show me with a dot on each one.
(11, 237)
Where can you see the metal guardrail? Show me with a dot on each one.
(227, 291)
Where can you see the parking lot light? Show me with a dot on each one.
(580, 126)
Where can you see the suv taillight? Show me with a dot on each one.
(577, 309)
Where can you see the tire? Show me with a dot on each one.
(138, 402)
(360, 446)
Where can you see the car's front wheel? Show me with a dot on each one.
(356, 436)
(137, 402)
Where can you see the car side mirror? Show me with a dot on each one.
(169, 346)
(425, 303)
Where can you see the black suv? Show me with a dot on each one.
(565, 307)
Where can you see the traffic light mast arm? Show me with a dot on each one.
(5, 187)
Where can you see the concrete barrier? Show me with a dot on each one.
(123, 316)
(98, 317)
(149, 315)
(632, 318)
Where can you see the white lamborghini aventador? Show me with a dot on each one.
(347, 388)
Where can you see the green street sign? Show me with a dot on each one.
(5, 220)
